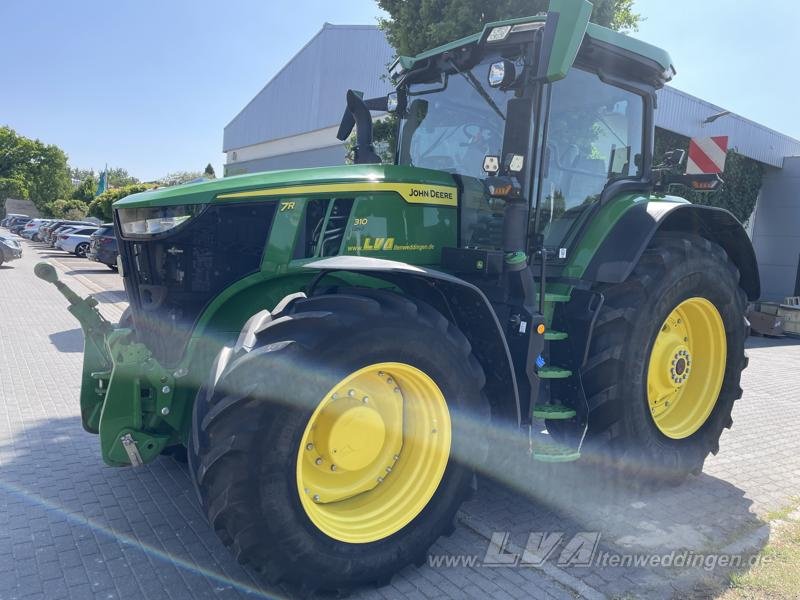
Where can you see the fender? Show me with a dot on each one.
(624, 245)
(462, 304)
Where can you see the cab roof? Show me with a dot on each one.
(596, 35)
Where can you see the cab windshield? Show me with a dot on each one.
(450, 124)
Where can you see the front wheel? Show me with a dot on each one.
(665, 361)
(339, 448)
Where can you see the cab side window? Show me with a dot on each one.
(594, 137)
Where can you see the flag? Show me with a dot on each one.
(102, 186)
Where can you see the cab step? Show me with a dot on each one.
(554, 373)
(555, 336)
(553, 453)
(552, 297)
(553, 412)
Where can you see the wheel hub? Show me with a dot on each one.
(351, 435)
(679, 368)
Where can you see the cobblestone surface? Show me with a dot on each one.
(71, 527)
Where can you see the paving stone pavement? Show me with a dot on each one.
(71, 527)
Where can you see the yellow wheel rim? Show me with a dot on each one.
(373, 453)
(686, 368)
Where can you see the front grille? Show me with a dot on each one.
(172, 277)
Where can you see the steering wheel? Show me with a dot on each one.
(471, 131)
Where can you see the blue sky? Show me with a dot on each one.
(150, 85)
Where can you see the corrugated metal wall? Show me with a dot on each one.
(318, 157)
(684, 114)
(776, 230)
(309, 92)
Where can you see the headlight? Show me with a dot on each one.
(152, 221)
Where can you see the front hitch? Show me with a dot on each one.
(96, 358)
(115, 370)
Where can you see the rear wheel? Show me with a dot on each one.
(666, 360)
(339, 448)
(81, 249)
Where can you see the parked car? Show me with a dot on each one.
(9, 216)
(46, 232)
(103, 246)
(32, 227)
(9, 249)
(17, 223)
(65, 229)
(76, 241)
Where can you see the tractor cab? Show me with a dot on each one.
(524, 114)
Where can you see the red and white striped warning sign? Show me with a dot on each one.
(707, 155)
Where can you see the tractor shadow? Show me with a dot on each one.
(771, 342)
(703, 516)
(68, 341)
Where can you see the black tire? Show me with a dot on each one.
(81, 249)
(622, 434)
(247, 430)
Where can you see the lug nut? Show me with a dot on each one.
(380, 479)
(388, 469)
(333, 467)
(309, 446)
(351, 393)
(316, 497)
(318, 461)
(165, 390)
(389, 380)
(165, 411)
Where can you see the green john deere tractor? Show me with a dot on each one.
(333, 345)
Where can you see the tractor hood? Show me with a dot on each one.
(295, 181)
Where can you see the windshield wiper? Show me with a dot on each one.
(476, 85)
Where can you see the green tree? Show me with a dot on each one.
(78, 174)
(179, 177)
(119, 177)
(209, 172)
(414, 26)
(32, 169)
(67, 209)
(86, 189)
(100, 207)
